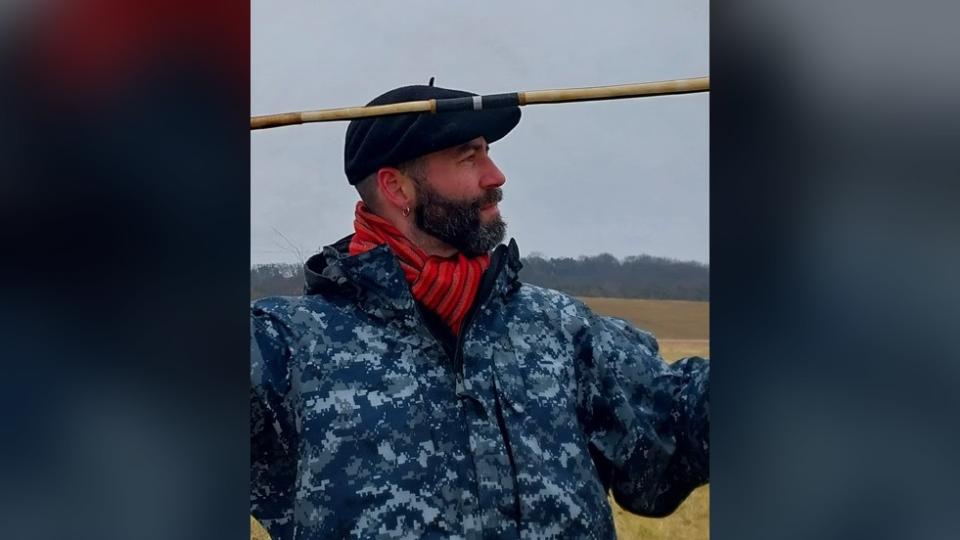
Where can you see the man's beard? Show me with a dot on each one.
(458, 223)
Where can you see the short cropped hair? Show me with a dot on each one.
(415, 168)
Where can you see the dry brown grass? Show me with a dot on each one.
(690, 522)
(682, 328)
(257, 532)
(675, 349)
(667, 319)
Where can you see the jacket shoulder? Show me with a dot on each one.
(541, 310)
(573, 311)
(275, 305)
(282, 307)
(295, 316)
(542, 296)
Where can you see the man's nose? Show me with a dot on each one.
(493, 177)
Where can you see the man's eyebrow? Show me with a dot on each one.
(472, 146)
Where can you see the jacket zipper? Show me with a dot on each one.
(458, 355)
(496, 267)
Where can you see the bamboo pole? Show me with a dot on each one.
(566, 95)
(659, 88)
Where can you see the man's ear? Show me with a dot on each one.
(396, 188)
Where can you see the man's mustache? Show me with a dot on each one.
(494, 195)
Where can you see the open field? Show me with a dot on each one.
(667, 319)
(682, 328)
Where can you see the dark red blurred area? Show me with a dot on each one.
(125, 123)
(124, 221)
(86, 49)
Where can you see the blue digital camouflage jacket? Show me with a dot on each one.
(367, 423)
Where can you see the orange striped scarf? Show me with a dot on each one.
(445, 285)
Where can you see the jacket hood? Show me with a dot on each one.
(321, 273)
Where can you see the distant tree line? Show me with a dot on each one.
(640, 276)
(278, 279)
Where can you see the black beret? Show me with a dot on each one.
(372, 143)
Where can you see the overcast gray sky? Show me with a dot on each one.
(625, 177)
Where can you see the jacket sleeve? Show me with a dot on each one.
(272, 434)
(646, 421)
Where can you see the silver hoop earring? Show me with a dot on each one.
(406, 211)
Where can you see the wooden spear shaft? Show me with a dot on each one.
(566, 95)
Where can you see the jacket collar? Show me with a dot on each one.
(375, 280)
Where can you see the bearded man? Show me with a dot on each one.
(418, 389)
